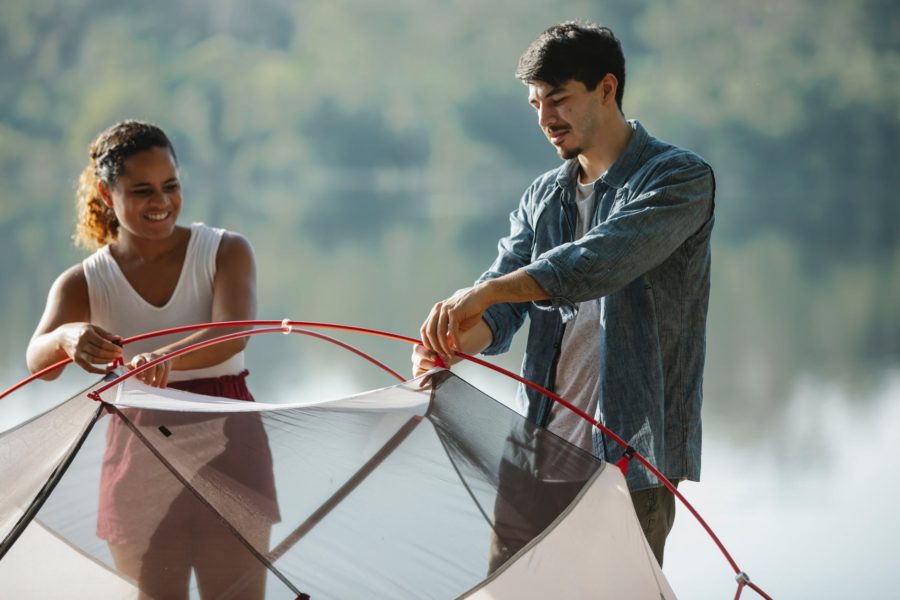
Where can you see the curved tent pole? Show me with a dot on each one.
(34, 376)
(287, 326)
(95, 395)
(203, 344)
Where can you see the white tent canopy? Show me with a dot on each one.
(402, 492)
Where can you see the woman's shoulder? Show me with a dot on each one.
(234, 247)
(234, 239)
(71, 285)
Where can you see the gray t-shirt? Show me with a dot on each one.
(578, 369)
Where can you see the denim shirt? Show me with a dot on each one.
(646, 260)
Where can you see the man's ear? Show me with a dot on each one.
(608, 85)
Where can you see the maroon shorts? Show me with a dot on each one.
(211, 452)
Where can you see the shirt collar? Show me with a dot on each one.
(620, 170)
(630, 158)
(565, 178)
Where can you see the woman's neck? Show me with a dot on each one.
(130, 248)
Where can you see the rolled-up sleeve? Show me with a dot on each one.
(637, 236)
(513, 252)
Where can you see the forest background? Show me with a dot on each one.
(372, 152)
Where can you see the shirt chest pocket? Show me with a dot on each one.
(549, 229)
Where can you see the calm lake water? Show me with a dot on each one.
(810, 515)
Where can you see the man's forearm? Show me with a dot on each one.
(517, 286)
(476, 339)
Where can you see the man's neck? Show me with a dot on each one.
(599, 158)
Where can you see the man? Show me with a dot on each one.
(609, 257)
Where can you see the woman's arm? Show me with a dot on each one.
(65, 331)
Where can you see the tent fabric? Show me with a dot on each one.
(31, 453)
(618, 561)
(132, 393)
(51, 565)
(404, 492)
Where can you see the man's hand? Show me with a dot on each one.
(424, 360)
(456, 324)
(451, 318)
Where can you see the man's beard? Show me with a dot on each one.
(568, 154)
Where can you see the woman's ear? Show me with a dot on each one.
(104, 194)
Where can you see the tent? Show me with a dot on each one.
(425, 489)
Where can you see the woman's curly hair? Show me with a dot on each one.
(96, 224)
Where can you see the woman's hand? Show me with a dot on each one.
(157, 375)
(89, 345)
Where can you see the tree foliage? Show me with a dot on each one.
(367, 149)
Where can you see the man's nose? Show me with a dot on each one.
(546, 115)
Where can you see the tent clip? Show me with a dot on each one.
(622, 463)
(742, 578)
(119, 362)
(286, 327)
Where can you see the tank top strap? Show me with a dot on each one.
(101, 274)
(201, 257)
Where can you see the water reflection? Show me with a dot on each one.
(809, 510)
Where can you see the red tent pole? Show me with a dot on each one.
(286, 326)
(31, 378)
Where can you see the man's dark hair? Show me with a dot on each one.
(573, 50)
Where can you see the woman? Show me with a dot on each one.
(149, 273)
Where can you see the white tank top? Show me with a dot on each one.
(119, 309)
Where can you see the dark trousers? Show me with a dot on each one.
(655, 508)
